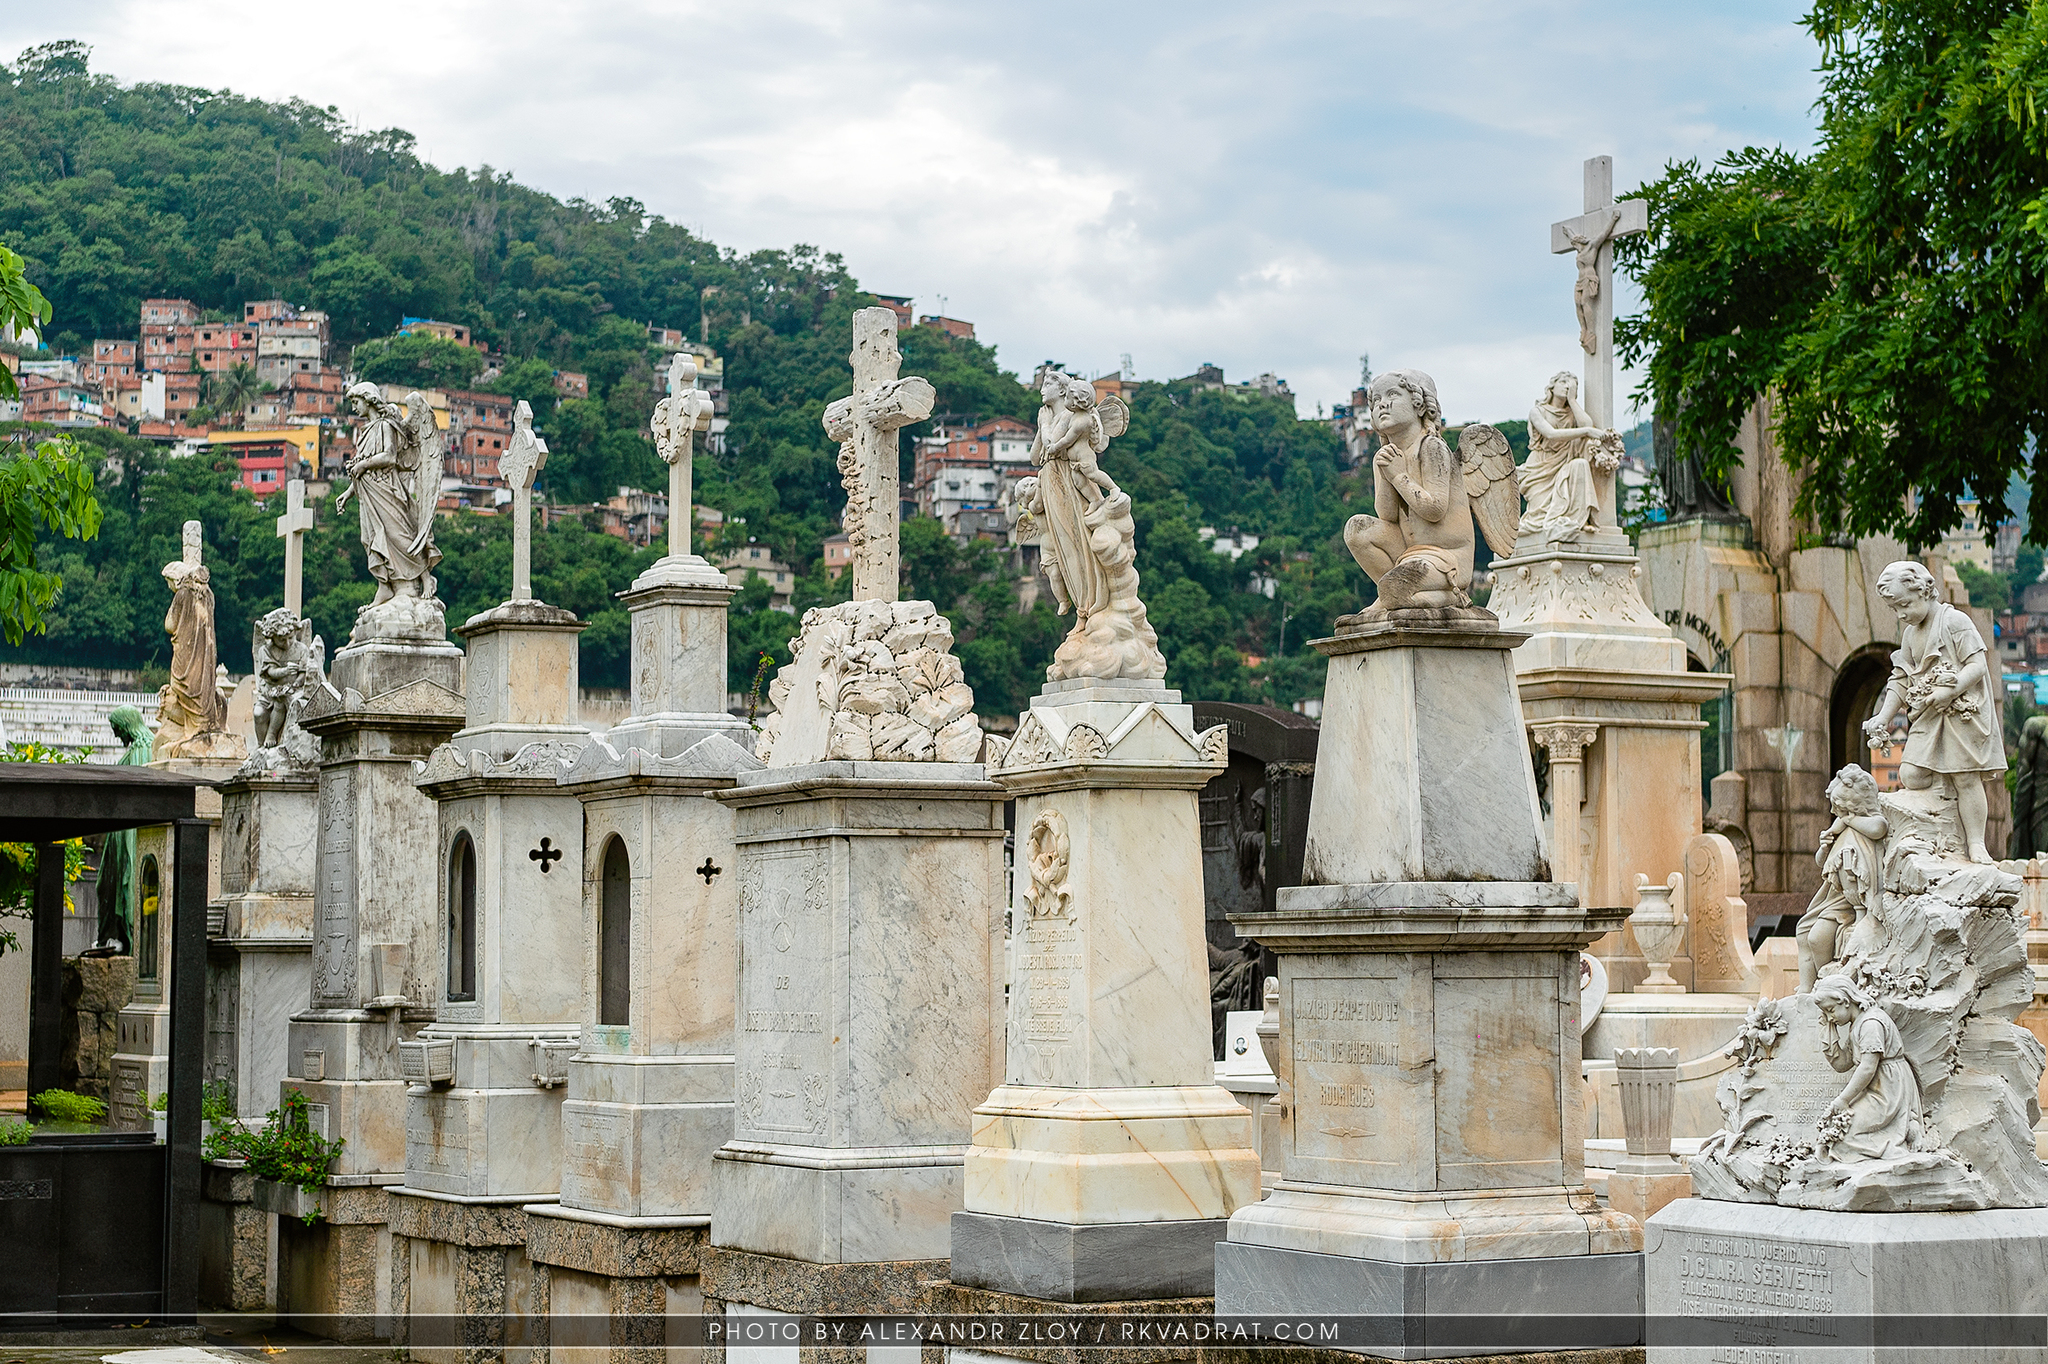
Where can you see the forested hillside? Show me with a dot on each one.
(114, 193)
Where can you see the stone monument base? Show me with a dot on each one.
(739, 1284)
(1056, 1344)
(622, 1285)
(462, 1287)
(1755, 1281)
(237, 1258)
(1096, 1262)
(639, 1134)
(1448, 1309)
(835, 1205)
(333, 1272)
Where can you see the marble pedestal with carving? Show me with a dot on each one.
(1743, 1281)
(1429, 983)
(376, 952)
(1604, 688)
(650, 1090)
(1105, 1164)
(870, 957)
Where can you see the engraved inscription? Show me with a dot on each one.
(1784, 1288)
(593, 1144)
(785, 1028)
(334, 936)
(437, 1138)
(1048, 1003)
(1345, 1032)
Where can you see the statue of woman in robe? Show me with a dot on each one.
(1089, 535)
(190, 704)
(396, 478)
(1559, 501)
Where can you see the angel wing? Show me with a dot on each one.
(427, 491)
(1116, 419)
(1490, 483)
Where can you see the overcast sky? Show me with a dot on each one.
(1267, 187)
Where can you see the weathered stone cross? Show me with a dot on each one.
(865, 424)
(1590, 237)
(522, 461)
(292, 528)
(677, 420)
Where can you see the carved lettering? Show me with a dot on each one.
(1742, 1277)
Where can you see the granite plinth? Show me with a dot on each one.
(1093, 1262)
(1800, 1283)
(1055, 1341)
(1445, 1310)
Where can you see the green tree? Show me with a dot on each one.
(230, 391)
(1890, 291)
(23, 310)
(45, 486)
(421, 361)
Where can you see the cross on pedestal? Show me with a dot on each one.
(292, 528)
(865, 424)
(1590, 237)
(677, 420)
(523, 459)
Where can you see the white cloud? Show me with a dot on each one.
(1278, 188)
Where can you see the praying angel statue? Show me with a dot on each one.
(1417, 546)
(396, 480)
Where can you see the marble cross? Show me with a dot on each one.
(522, 461)
(677, 420)
(292, 528)
(865, 424)
(189, 550)
(1590, 237)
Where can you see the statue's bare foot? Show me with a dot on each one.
(1979, 853)
(1360, 619)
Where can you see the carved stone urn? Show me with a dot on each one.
(1659, 927)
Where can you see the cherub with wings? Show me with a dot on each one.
(1417, 548)
(1073, 427)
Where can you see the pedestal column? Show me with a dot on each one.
(1105, 1164)
(1435, 1158)
(1566, 745)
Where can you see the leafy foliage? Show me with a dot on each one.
(23, 309)
(18, 861)
(422, 361)
(14, 1132)
(285, 1150)
(61, 1105)
(1891, 290)
(44, 486)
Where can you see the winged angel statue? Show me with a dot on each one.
(1417, 549)
(396, 477)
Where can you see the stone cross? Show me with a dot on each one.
(1590, 236)
(523, 459)
(677, 420)
(189, 551)
(292, 528)
(865, 424)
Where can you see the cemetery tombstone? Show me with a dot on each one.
(395, 693)
(868, 858)
(1429, 993)
(651, 1086)
(485, 1077)
(1106, 1162)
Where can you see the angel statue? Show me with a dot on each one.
(1561, 500)
(396, 477)
(1417, 548)
(1088, 536)
(290, 665)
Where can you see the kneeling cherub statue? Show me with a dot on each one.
(1417, 544)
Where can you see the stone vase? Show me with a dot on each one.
(1659, 928)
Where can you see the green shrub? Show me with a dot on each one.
(61, 1105)
(13, 1133)
(217, 1103)
(161, 1103)
(285, 1151)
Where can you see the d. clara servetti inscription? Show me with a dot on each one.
(1898, 1079)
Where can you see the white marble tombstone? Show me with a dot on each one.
(1104, 1165)
(869, 859)
(1429, 983)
